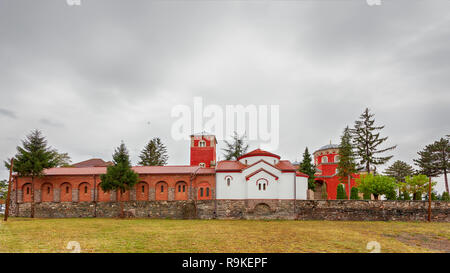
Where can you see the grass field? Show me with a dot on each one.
(149, 235)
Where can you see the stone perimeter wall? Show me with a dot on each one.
(349, 210)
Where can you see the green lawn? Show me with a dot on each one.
(150, 235)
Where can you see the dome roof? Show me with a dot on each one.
(259, 152)
(329, 146)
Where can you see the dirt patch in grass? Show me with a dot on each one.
(432, 242)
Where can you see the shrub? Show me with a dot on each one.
(367, 195)
(341, 194)
(354, 193)
(404, 196)
(445, 196)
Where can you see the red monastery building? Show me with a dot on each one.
(326, 160)
(81, 181)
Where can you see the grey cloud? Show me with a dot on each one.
(7, 113)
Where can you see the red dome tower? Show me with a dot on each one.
(326, 160)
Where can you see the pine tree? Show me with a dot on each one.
(346, 165)
(34, 157)
(154, 153)
(441, 157)
(236, 148)
(340, 192)
(366, 139)
(399, 170)
(427, 162)
(119, 177)
(307, 167)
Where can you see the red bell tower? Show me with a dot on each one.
(203, 150)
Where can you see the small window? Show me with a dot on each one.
(143, 189)
(67, 189)
(324, 159)
(162, 188)
(202, 143)
(259, 186)
(202, 165)
(28, 190)
(207, 191)
(336, 158)
(85, 189)
(179, 188)
(246, 162)
(264, 187)
(201, 192)
(228, 181)
(48, 190)
(184, 188)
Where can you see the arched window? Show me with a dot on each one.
(47, 192)
(207, 192)
(161, 192)
(262, 184)
(202, 143)
(84, 194)
(65, 192)
(142, 194)
(228, 180)
(324, 159)
(180, 191)
(201, 192)
(336, 158)
(204, 191)
(26, 192)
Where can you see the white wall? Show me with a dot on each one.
(253, 159)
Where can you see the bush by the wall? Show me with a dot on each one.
(445, 196)
(354, 193)
(341, 194)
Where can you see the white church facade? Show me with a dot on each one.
(259, 175)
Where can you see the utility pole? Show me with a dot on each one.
(429, 200)
(8, 195)
(349, 189)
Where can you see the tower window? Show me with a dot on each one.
(202, 143)
(324, 159)
(202, 164)
(336, 158)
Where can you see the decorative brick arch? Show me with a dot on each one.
(142, 191)
(84, 192)
(65, 192)
(26, 193)
(161, 191)
(47, 192)
(103, 196)
(204, 191)
(262, 209)
(181, 190)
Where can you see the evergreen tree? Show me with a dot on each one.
(236, 148)
(427, 163)
(34, 157)
(354, 194)
(119, 177)
(307, 167)
(441, 157)
(366, 139)
(3, 189)
(399, 170)
(340, 192)
(346, 165)
(154, 153)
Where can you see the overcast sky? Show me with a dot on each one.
(92, 75)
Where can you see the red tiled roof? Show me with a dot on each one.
(297, 173)
(230, 165)
(138, 169)
(94, 162)
(285, 165)
(259, 152)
